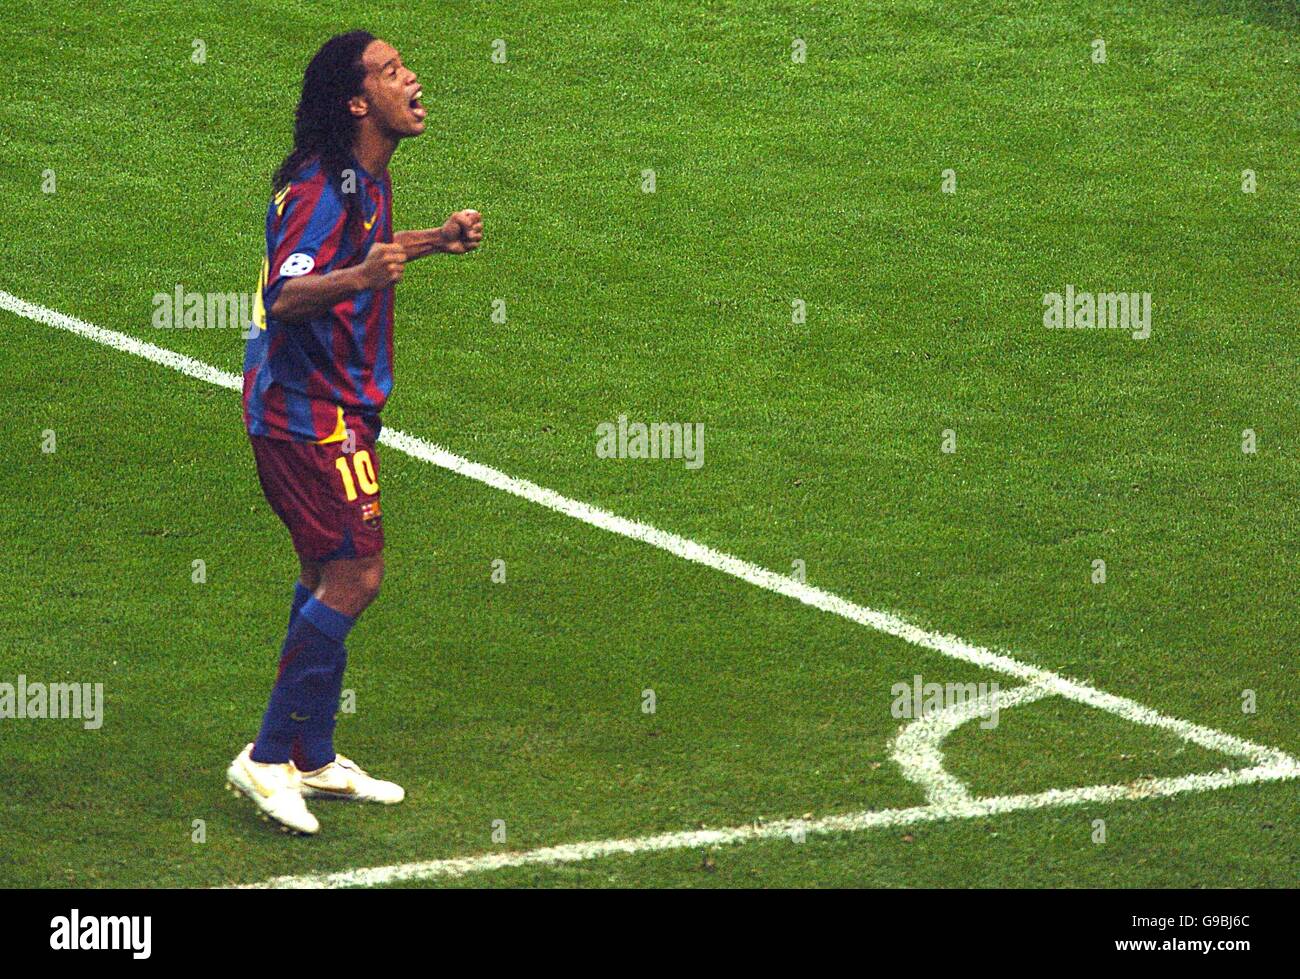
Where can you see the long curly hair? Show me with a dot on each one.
(323, 127)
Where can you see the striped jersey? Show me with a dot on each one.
(312, 381)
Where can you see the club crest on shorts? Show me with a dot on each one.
(370, 514)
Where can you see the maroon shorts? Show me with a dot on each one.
(329, 499)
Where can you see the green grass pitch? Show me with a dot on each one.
(515, 708)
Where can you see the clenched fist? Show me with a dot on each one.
(462, 232)
(383, 265)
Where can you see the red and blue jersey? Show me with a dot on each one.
(311, 381)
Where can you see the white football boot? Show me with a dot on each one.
(344, 779)
(276, 790)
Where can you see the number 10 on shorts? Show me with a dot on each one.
(365, 469)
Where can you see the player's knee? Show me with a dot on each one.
(370, 579)
(310, 574)
(351, 585)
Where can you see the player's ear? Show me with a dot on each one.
(358, 106)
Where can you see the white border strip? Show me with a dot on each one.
(1268, 763)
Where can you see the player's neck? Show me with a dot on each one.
(373, 151)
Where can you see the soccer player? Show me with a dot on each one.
(318, 369)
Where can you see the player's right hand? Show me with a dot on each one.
(383, 265)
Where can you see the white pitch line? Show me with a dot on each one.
(121, 341)
(848, 823)
(1263, 759)
(918, 748)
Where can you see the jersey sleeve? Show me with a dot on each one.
(304, 234)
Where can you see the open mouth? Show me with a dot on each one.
(417, 109)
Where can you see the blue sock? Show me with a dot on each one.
(300, 595)
(316, 745)
(306, 693)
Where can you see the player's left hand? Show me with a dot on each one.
(462, 232)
